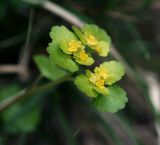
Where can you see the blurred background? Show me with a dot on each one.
(62, 115)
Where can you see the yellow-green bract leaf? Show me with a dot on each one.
(61, 59)
(97, 32)
(64, 47)
(115, 70)
(115, 101)
(61, 33)
(88, 62)
(85, 86)
(104, 91)
(105, 47)
(91, 29)
(48, 69)
(79, 34)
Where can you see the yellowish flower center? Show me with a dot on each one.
(99, 77)
(83, 56)
(100, 83)
(98, 49)
(97, 81)
(74, 46)
(91, 40)
(103, 73)
(93, 78)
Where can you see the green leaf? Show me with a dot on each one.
(104, 36)
(104, 91)
(64, 47)
(48, 69)
(61, 33)
(79, 34)
(115, 101)
(61, 59)
(8, 90)
(25, 122)
(87, 62)
(91, 29)
(105, 48)
(97, 32)
(115, 70)
(85, 86)
(15, 118)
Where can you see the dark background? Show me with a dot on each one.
(63, 115)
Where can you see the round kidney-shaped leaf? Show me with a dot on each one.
(115, 101)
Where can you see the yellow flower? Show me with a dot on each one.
(95, 38)
(77, 50)
(100, 83)
(83, 56)
(102, 72)
(74, 46)
(96, 80)
(90, 39)
(98, 49)
(99, 77)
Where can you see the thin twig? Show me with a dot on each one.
(11, 68)
(26, 50)
(24, 56)
(63, 13)
(27, 93)
(10, 42)
(116, 14)
(119, 57)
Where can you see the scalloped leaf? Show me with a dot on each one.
(61, 59)
(105, 48)
(48, 69)
(99, 33)
(79, 34)
(88, 62)
(115, 70)
(61, 33)
(115, 101)
(103, 35)
(85, 86)
(91, 28)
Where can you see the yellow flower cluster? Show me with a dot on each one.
(93, 42)
(90, 39)
(99, 77)
(74, 46)
(77, 49)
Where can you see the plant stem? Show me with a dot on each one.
(30, 92)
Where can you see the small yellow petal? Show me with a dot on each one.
(99, 77)
(74, 46)
(93, 78)
(91, 40)
(98, 49)
(100, 83)
(103, 73)
(83, 56)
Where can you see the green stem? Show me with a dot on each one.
(30, 92)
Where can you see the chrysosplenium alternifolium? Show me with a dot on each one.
(71, 50)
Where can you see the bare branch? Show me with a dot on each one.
(10, 68)
(63, 13)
